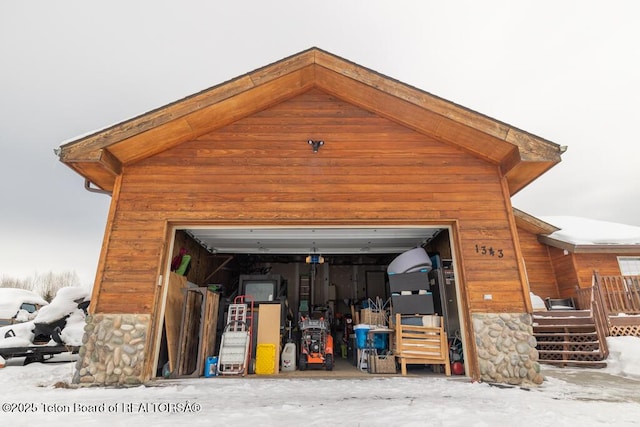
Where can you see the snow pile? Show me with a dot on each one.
(74, 329)
(17, 335)
(11, 299)
(624, 356)
(584, 231)
(537, 303)
(65, 303)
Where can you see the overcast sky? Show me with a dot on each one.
(567, 71)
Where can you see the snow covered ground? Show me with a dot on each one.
(32, 395)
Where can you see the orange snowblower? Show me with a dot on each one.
(316, 344)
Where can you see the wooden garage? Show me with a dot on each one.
(310, 142)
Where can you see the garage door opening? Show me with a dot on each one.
(338, 275)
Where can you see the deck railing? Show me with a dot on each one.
(620, 294)
(591, 299)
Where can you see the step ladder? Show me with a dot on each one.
(304, 294)
(235, 346)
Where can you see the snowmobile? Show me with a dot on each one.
(316, 344)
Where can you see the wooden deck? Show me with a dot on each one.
(619, 297)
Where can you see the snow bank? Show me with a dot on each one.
(624, 356)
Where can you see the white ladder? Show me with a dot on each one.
(234, 346)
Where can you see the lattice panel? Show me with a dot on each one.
(571, 343)
(623, 331)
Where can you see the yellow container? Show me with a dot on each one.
(266, 359)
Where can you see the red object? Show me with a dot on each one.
(177, 260)
(457, 368)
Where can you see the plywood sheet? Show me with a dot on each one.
(173, 315)
(269, 328)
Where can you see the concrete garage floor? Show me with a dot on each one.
(344, 369)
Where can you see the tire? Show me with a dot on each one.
(328, 362)
(302, 363)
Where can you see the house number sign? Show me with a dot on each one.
(489, 251)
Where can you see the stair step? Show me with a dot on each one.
(553, 333)
(561, 313)
(563, 321)
(575, 325)
(569, 343)
(580, 363)
(562, 334)
(566, 335)
(569, 352)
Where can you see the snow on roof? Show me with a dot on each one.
(12, 298)
(584, 231)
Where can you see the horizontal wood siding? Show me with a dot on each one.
(542, 280)
(565, 270)
(606, 264)
(261, 170)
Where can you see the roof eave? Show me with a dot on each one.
(590, 248)
(532, 224)
(521, 156)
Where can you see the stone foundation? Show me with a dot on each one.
(506, 348)
(113, 350)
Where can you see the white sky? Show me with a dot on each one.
(566, 71)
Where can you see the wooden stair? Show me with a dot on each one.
(568, 338)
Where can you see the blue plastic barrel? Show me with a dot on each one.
(361, 332)
(380, 341)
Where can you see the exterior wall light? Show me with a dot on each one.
(316, 145)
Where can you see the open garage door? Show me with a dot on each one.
(329, 270)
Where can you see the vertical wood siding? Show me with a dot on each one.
(261, 170)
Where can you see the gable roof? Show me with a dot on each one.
(99, 157)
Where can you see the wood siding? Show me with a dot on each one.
(540, 272)
(606, 264)
(260, 170)
(575, 270)
(566, 272)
